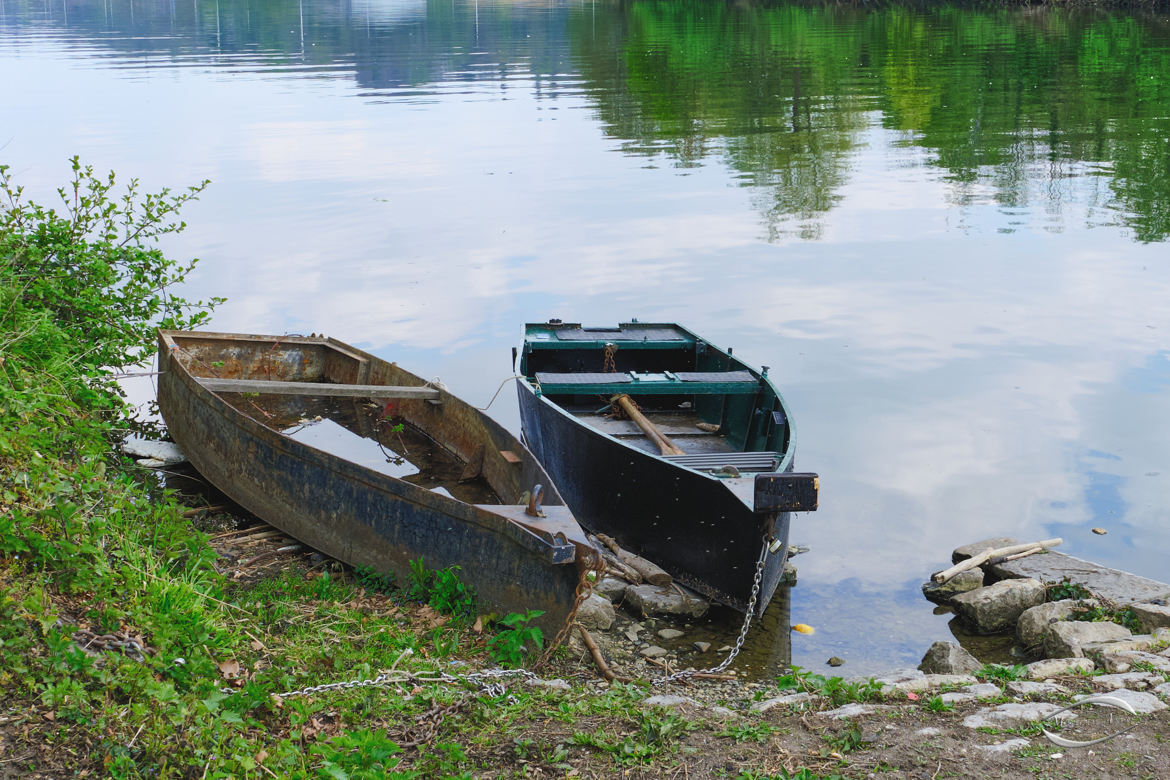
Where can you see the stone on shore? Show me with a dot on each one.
(1012, 715)
(1142, 703)
(997, 607)
(1135, 642)
(1004, 747)
(964, 581)
(1163, 690)
(1029, 688)
(983, 691)
(154, 454)
(948, 658)
(612, 588)
(653, 651)
(1067, 639)
(1116, 663)
(1058, 667)
(932, 681)
(596, 613)
(654, 600)
(782, 701)
(669, 633)
(1134, 680)
(1034, 621)
(1151, 616)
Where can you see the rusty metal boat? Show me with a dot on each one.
(676, 448)
(239, 405)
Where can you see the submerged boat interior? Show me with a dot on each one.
(715, 409)
(357, 407)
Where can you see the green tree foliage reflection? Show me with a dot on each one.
(1029, 103)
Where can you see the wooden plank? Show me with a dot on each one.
(652, 388)
(268, 387)
(789, 492)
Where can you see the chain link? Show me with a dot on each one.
(584, 589)
(743, 632)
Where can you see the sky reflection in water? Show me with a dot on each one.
(951, 293)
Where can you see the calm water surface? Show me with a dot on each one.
(944, 230)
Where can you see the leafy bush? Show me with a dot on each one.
(511, 645)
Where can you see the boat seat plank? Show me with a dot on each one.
(270, 387)
(635, 383)
(580, 379)
(715, 376)
(744, 461)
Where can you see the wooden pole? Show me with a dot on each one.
(664, 444)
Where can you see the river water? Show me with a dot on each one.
(943, 228)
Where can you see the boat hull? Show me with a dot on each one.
(366, 518)
(689, 523)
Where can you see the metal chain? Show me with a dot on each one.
(583, 591)
(743, 632)
(607, 364)
(476, 679)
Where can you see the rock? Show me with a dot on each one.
(782, 701)
(555, 684)
(669, 700)
(1151, 616)
(894, 677)
(1161, 635)
(1112, 682)
(929, 731)
(1135, 642)
(1033, 622)
(724, 712)
(596, 613)
(931, 681)
(854, 710)
(971, 550)
(1027, 688)
(1163, 690)
(1004, 747)
(669, 633)
(1159, 662)
(653, 651)
(835, 661)
(983, 691)
(948, 658)
(702, 647)
(1066, 639)
(961, 583)
(1012, 715)
(1142, 703)
(631, 633)
(653, 600)
(1114, 663)
(612, 588)
(997, 607)
(1059, 667)
(154, 454)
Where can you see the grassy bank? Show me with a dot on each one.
(133, 644)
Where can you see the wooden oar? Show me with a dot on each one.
(664, 444)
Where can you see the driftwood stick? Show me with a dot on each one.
(270, 554)
(598, 658)
(1017, 556)
(988, 554)
(243, 531)
(650, 571)
(617, 567)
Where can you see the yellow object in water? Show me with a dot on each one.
(804, 628)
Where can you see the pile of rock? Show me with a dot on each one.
(1049, 629)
